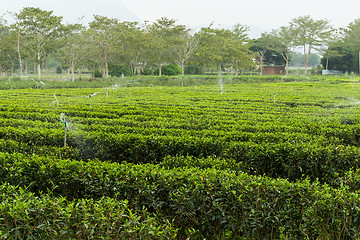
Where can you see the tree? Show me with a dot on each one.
(222, 48)
(282, 42)
(41, 29)
(240, 55)
(351, 36)
(241, 33)
(6, 52)
(214, 46)
(166, 36)
(19, 43)
(264, 54)
(135, 45)
(104, 36)
(75, 47)
(186, 47)
(338, 57)
(310, 34)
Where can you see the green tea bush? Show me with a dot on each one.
(216, 204)
(24, 215)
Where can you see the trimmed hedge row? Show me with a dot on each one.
(12, 146)
(26, 216)
(289, 159)
(216, 204)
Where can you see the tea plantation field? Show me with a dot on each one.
(232, 161)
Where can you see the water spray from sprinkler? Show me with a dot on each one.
(274, 97)
(107, 93)
(221, 86)
(37, 84)
(56, 100)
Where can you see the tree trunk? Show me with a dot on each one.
(182, 68)
(261, 65)
(236, 69)
(80, 72)
(39, 70)
(39, 66)
(106, 69)
(19, 54)
(159, 69)
(72, 73)
(306, 57)
(287, 67)
(327, 64)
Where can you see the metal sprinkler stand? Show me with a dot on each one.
(90, 100)
(65, 133)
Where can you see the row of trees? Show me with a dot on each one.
(109, 44)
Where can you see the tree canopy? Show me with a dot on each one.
(146, 48)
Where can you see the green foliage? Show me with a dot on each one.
(215, 203)
(232, 164)
(343, 61)
(98, 73)
(170, 70)
(194, 70)
(270, 56)
(119, 70)
(59, 70)
(24, 215)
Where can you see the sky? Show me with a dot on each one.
(259, 15)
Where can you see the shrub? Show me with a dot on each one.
(216, 204)
(58, 70)
(98, 74)
(119, 70)
(194, 70)
(26, 216)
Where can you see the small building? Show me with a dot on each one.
(273, 70)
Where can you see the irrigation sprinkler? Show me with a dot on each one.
(90, 100)
(107, 93)
(63, 120)
(94, 94)
(37, 84)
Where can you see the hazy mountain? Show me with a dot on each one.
(72, 10)
(253, 33)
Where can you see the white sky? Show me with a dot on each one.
(263, 14)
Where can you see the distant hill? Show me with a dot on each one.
(72, 10)
(254, 32)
